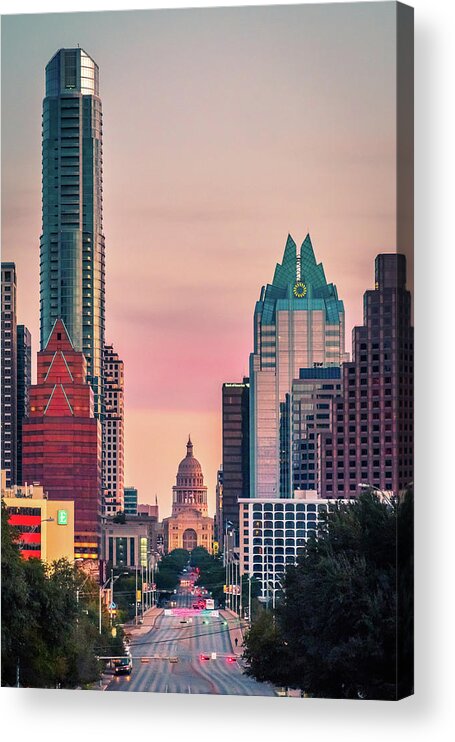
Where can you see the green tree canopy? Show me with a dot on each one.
(336, 625)
(49, 637)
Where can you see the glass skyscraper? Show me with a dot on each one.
(298, 324)
(72, 284)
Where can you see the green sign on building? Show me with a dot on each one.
(62, 517)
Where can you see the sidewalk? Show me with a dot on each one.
(236, 629)
(132, 631)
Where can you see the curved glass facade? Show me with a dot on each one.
(72, 252)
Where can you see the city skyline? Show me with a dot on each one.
(200, 193)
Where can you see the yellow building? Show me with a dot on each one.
(189, 525)
(46, 527)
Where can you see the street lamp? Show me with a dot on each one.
(33, 529)
(110, 579)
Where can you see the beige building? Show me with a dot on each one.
(127, 544)
(189, 525)
(46, 527)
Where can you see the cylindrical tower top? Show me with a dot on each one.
(72, 71)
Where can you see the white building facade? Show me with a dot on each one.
(273, 534)
(113, 432)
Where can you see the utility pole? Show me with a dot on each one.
(135, 598)
(112, 595)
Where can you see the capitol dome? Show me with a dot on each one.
(189, 490)
(189, 466)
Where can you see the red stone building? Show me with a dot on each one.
(62, 438)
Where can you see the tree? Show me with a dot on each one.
(49, 637)
(212, 574)
(15, 612)
(265, 648)
(337, 619)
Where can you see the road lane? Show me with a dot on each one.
(187, 641)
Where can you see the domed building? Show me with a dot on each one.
(189, 525)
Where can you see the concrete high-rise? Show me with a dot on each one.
(236, 450)
(298, 323)
(312, 393)
(24, 380)
(9, 374)
(371, 441)
(72, 283)
(113, 432)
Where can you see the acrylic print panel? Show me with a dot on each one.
(207, 351)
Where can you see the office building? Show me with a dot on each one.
(61, 438)
(72, 280)
(218, 520)
(311, 397)
(113, 432)
(273, 534)
(24, 380)
(189, 525)
(130, 501)
(298, 323)
(46, 527)
(371, 442)
(9, 373)
(126, 544)
(236, 449)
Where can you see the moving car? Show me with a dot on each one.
(123, 666)
(231, 659)
(204, 657)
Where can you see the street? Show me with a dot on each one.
(188, 637)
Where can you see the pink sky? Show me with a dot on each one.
(224, 130)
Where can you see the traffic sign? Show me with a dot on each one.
(112, 606)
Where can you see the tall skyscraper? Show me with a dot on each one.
(371, 442)
(24, 380)
(298, 323)
(236, 450)
(61, 438)
(113, 432)
(72, 285)
(9, 373)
